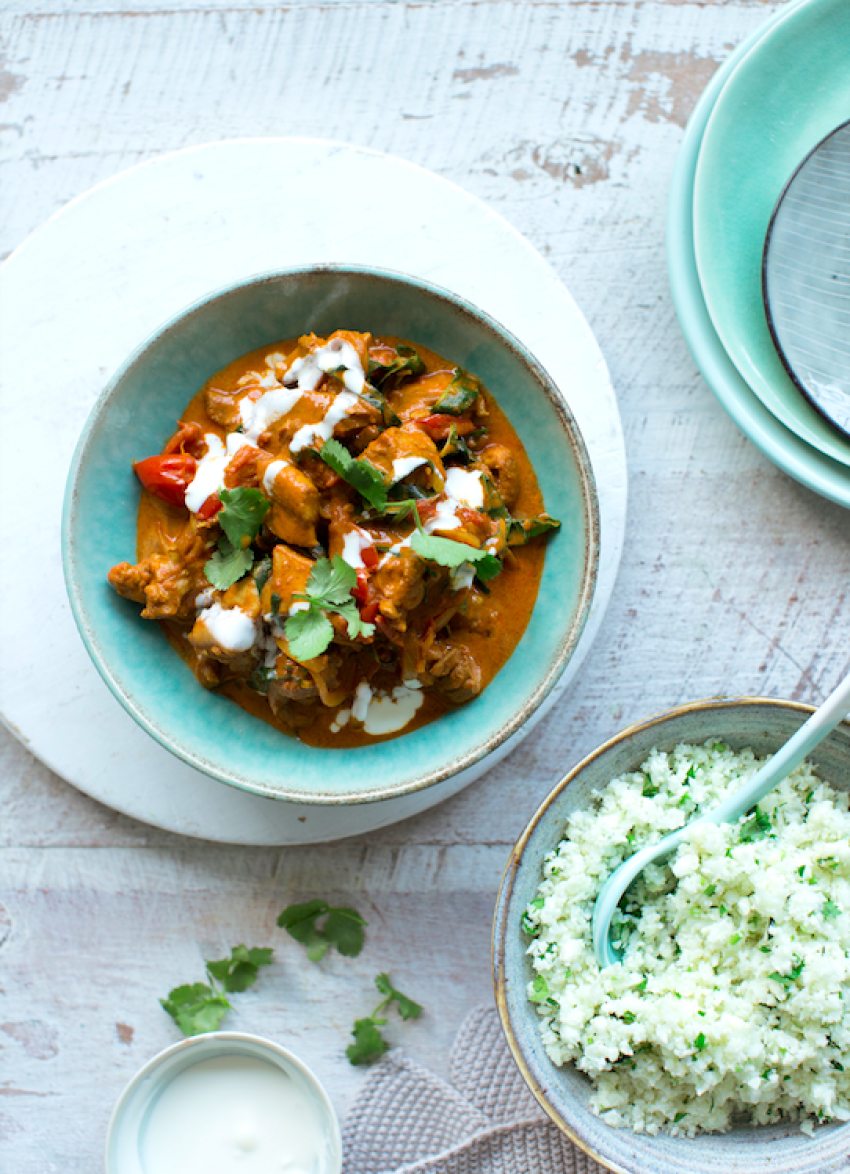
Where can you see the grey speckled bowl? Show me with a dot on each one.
(563, 1092)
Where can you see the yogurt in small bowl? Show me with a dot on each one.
(224, 1103)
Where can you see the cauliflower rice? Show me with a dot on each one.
(731, 994)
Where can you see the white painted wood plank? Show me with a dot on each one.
(566, 118)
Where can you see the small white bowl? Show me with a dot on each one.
(125, 1138)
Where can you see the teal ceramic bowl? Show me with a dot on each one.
(136, 414)
(564, 1092)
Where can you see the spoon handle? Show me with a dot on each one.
(825, 718)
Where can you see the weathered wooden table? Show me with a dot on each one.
(564, 117)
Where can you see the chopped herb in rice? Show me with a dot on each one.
(729, 998)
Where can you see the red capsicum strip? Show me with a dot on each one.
(439, 425)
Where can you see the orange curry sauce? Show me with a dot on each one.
(443, 633)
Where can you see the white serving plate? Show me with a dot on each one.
(96, 280)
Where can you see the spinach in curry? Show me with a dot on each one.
(340, 537)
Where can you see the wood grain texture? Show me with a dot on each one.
(565, 117)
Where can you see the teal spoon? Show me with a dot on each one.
(812, 732)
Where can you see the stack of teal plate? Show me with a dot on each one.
(778, 96)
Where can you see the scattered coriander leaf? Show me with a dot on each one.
(649, 788)
(342, 929)
(407, 1009)
(240, 970)
(366, 478)
(196, 1007)
(700, 1042)
(830, 909)
(228, 564)
(629, 1017)
(368, 1044)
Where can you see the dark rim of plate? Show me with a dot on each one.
(764, 296)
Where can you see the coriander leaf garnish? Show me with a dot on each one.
(369, 1044)
(240, 970)
(243, 514)
(830, 909)
(228, 564)
(363, 476)
(343, 928)
(240, 518)
(460, 394)
(199, 1007)
(448, 553)
(196, 1008)
(309, 632)
(332, 581)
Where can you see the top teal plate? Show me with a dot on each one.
(778, 102)
(794, 456)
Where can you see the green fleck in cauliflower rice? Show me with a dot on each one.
(731, 997)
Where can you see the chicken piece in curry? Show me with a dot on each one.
(340, 537)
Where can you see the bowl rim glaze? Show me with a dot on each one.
(590, 559)
(502, 926)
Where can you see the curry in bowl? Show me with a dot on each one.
(343, 536)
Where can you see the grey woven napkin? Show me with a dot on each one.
(483, 1120)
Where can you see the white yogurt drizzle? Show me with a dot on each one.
(257, 415)
(271, 473)
(231, 629)
(389, 713)
(353, 545)
(337, 412)
(462, 488)
(362, 699)
(382, 713)
(309, 370)
(209, 475)
(337, 353)
(404, 466)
